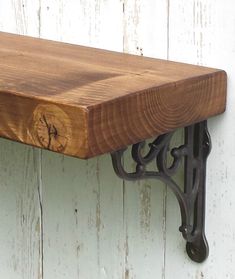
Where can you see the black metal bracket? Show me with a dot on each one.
(193, 153)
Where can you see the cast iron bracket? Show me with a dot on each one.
(193, 153)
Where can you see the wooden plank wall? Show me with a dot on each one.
(66, 218)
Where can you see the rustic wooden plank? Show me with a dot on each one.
(144, 201)
(215, 49)
(90, 23)
(84, 219)
(83, 222)
(84, 102)
(20, 17)
(20, 212)
(7, 14)
(140, 19)
(206, 42)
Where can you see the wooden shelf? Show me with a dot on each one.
(84, 102)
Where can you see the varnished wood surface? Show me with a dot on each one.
(84, 102)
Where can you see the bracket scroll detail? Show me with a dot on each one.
(191, 198)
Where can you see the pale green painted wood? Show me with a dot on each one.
(82, 205)
(88, 222)
(20, 234)
(145, 27)
(201, 32)
(96, 23)
(144, 201)
(20, 214)
(83, 215)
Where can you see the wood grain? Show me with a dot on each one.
(85, 218)
(20, 212)
(144, 201)
(199, 38)
(84, 102)
(21, 231)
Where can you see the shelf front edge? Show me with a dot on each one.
(137, 117)
(109, 126)
(52, 126)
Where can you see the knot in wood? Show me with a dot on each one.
(50, 127)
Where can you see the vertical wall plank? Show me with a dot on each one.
(20, 16)
(82, 218)
(20, 214)
(7, 17)
(83, 202)
(20, 233)
(201, 33)
(145, 33)
(94, 23)
(145, 27)
(93, 226)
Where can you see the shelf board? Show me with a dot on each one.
(84, 102)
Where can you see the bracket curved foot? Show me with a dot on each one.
(191, 199)
(198, 250)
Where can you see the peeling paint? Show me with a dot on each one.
(77, 231)
(126, 258)
(145, 211)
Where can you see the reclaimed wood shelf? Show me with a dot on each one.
(84, 102)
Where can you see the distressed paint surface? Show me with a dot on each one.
(144, 202)
(67, 218)
(207, 39)
(20, 232)
(83, 220)
(93, 209)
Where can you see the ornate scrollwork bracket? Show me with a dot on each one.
(193, 153)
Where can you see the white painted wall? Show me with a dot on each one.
(66, 218)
